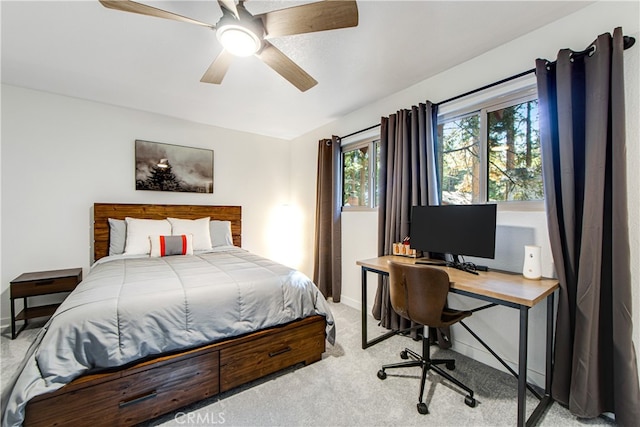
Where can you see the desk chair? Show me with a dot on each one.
(419, 293)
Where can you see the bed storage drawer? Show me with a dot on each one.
(169, 382)
(131, 398)
(248, 361)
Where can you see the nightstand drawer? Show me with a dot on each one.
(43, 287)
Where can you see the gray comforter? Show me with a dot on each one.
(129, 308)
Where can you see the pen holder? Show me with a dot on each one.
(404, 250)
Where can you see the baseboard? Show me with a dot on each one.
(353, 303)
(476, 353)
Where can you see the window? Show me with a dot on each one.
(490, 152)
(360, 163)
(459, 157)
(515, 165)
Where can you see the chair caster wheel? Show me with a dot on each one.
(450, 366)
(470, 401)
(422, 408)
(404, 355)
(382, 374)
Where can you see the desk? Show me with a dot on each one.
(497, 288)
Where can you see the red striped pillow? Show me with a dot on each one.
(171, 245)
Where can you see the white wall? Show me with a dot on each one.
(498, 326)
(61, 154)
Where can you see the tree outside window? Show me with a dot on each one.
(360, 165)
(355, 178)
(491, 155)
(515, 164)
(459, 154)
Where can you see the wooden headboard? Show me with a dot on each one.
(103, 211)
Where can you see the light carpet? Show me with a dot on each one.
(343, 390)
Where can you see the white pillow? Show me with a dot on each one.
(199, 228)
(220, 233)
(138, 232)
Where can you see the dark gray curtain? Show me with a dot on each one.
(582, 130)
(407, 177)
(327, 273)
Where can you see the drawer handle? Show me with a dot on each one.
(44, 282)
(279, 352)
(138, 399)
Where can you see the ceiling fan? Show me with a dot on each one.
(244, 34)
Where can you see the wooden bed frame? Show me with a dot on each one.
(147, 389)
(103, 211)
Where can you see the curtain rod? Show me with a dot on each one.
(359, 131)
(628, 41)
(471, 92)
(490, 85)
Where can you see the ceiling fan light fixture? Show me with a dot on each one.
(238, 40)
(241, 33)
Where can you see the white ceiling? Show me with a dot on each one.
(81, 49)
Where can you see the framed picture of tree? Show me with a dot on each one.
(168, 167)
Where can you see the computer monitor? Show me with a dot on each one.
(457, 230)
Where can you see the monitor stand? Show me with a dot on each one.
(455, 263)
(464, 266)
(431, 262)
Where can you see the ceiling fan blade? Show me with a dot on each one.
(218, 68)
(284, 66)
(143, 9)
(308, 18)
(229, 5)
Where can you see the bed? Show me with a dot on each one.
(145, 335)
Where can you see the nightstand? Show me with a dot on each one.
(40, 283)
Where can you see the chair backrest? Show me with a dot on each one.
(418, 292)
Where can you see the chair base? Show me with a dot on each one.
(428, 364)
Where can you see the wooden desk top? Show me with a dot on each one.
(510, 287)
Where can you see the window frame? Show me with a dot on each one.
(373, 142)
(482, 105)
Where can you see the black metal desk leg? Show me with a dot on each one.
(549, 354)
(546, 400)
(366, 343)
(363, 308)
(522, 365)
